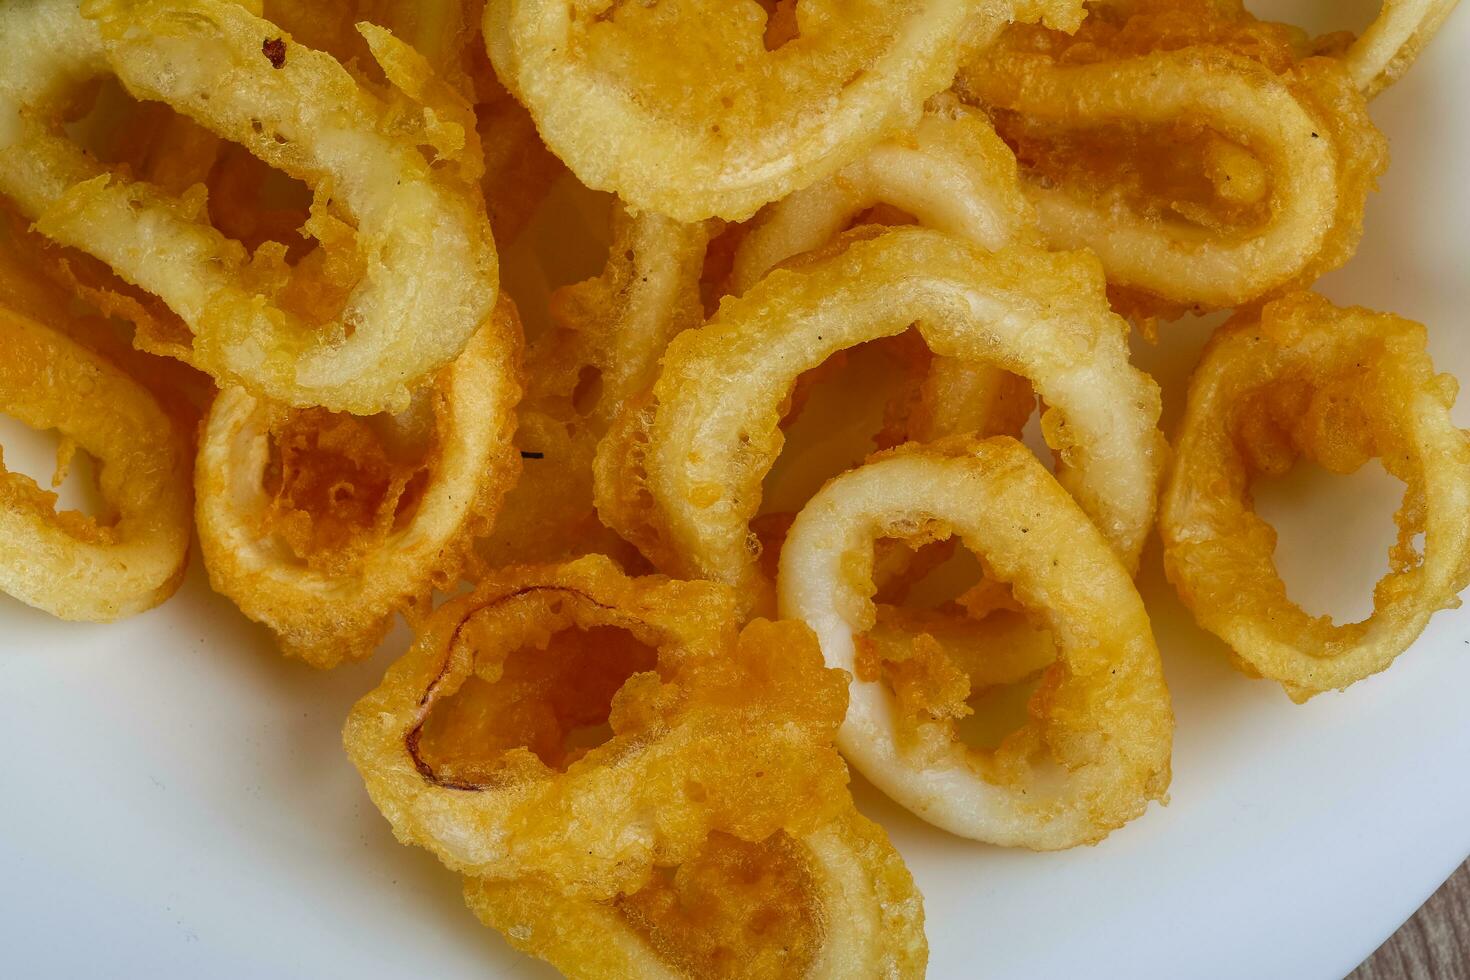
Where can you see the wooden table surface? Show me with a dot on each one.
(1434, 944)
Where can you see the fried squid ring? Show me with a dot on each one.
(475, 745)
(381, 204)
(704, 108)
(66, 563)
(606, 339)
(1096, 748)
(835, 903)
(1381, 55)
(953, 174)
(322, 527)
(679, 474)
(1285, 151)
(1339, 387)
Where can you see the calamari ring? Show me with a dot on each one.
(691, 109)
(835, 903)
(1383, 52)
(603, 348)
(66, 563)
(679, 474)
(299, 111)
(332, 601)
(953, 174)
(1300, 134)
(1340, 387)
(465, 745)
(1096, 748)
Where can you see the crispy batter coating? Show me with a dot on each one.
(392, 172)
(989, 648)
(66, 563)
(445, 32)
(834, 903)
(323, 526)
(518, 169)
(1205, 159)
(38, 280)
(706, 108)
(1338, 387)
(482, 743)
(680, 472)
(1095, 750)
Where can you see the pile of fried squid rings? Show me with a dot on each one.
(250, 264)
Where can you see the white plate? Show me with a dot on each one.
(174, 799)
